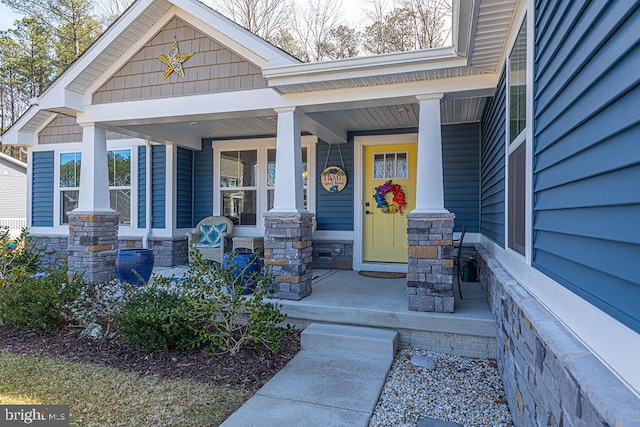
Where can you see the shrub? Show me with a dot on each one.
(97, 303)
(37, 300)
(17, 254)
(150, 318)
(206, 310)
(224, 318)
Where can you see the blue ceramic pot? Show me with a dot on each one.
(134, 266)
(244, 267)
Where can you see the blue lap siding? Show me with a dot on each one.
(184, 189)
(460, 168)
(586, 206)
(334, 211)
(461, 163)
(492, 171)
(42, 189)
(203, 182)
(158, 186)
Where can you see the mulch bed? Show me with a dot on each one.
(250, 369)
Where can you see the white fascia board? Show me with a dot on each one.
(12, 160)
(262, 101)
(128, 17)
(61, 97)
(367, 66)
(15, 135)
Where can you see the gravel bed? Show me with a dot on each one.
(465, 390)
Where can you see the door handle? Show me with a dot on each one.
(368, 213)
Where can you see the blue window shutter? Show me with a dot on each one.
(42, 187)
(142, 187)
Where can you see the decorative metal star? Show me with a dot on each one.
(174, 61)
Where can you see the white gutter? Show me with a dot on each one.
(376, 65)
(145, 238)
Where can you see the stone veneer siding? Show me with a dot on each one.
(333, 254)
(167, 252)
(430, 267)
(288, 253)
(93, 242)
(550, 378)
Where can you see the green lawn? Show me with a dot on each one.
(104, 396)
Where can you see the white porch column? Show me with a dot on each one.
(94, 179)
(429, 181)
(93, 225)
(288, 195)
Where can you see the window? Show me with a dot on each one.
(517, 181)
(120, 183)
(119, 170)
(518, 85)
(271, 176)
(238, 173)
(517, 143)
(390, 166)
(244, 185)
(69, 184)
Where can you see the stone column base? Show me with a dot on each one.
(93, 243)
(288, 253)
(430, 270)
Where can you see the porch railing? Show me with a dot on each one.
(15, 224)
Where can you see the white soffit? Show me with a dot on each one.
(490, 36)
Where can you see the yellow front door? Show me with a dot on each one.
(385, 234)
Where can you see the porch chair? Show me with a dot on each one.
(210, 236)
(457, 255)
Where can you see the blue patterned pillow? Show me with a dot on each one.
(211, 235)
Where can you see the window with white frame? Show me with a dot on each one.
(120, 183)
(238, 186)
(517, 142)
(69, 183)
(119, 170)
(245, 183)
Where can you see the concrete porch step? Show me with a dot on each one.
(372, 343)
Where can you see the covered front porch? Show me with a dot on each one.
(347, 298)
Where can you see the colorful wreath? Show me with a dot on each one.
(399, 201)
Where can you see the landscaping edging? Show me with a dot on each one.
(550, 378)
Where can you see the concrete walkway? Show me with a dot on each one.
(335, 380)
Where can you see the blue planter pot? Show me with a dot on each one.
(134, 266)
(244, 267)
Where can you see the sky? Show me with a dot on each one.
(6, 17)
(352, 11)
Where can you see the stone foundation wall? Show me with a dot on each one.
(333, 254)
(167, 252)
(58, 246)
(550, 378)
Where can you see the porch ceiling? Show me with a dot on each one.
(398, 116)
